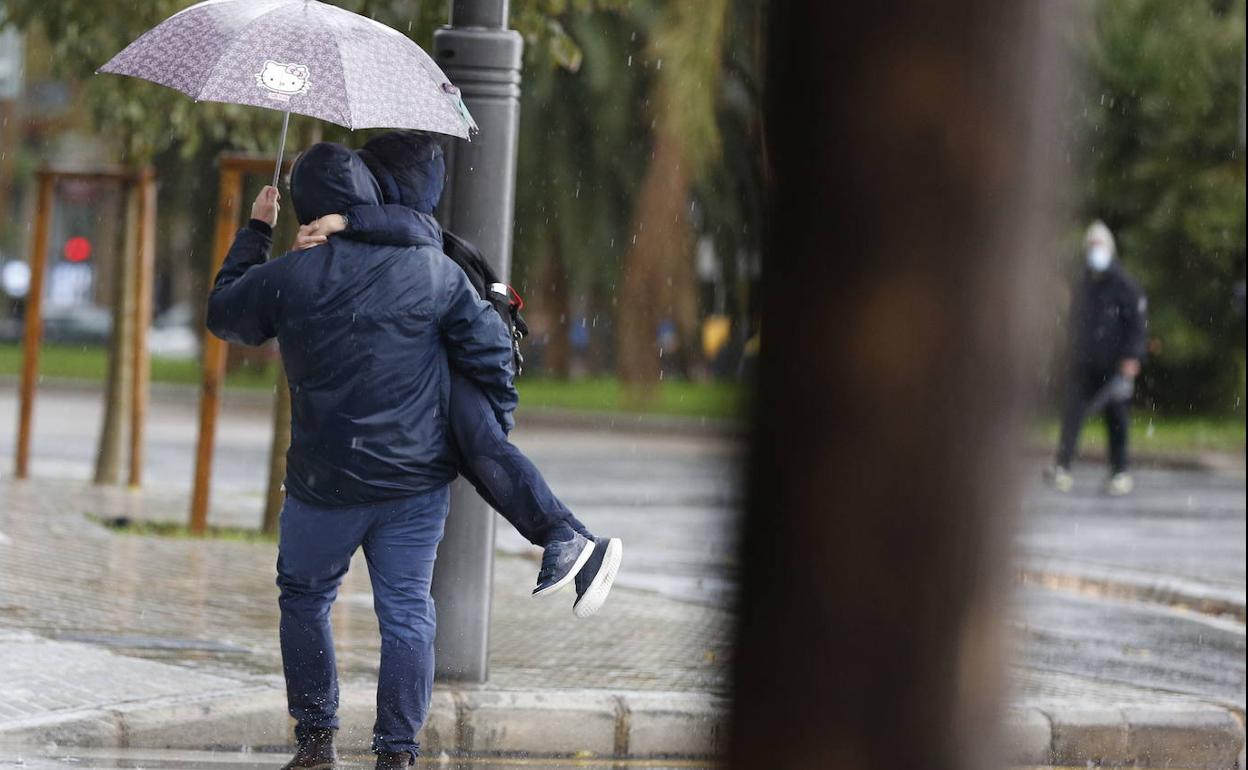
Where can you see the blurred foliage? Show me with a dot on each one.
(598, 76)
(1162, 126)
(584, 145)
(147, 120)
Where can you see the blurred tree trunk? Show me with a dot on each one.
(111, 450)
(911, 145)
(658, 281)
(660, 238)
(555, 288)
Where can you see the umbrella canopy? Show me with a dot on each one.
(300, 56)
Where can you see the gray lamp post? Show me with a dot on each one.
(482, 57)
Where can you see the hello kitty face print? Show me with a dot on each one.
(283, 81)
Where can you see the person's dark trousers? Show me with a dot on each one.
(1081, 387)
(506, 479)
(400, 539)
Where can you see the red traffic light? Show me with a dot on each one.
(77, 249)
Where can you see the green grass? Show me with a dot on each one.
(721, 400)
(1152, 432)
(688, 399)
(127, 526)
(91, 363)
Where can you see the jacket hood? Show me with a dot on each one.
(328, 179)
(410, 168)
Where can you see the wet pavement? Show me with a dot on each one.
(672, 498)
(210, 605)
(1179, 526)
(150, 759)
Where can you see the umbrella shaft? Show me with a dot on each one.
(281, 148)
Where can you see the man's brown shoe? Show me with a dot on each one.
(394, 760)
(316, 752)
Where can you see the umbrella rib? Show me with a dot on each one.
(346, 89)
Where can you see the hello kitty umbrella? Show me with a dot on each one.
(300, 56)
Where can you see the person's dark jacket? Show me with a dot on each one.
(410, 170)
(1109, 320)
(365, 332)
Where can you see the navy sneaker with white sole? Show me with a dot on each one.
(561, 562)
(594, 582)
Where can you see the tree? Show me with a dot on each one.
(583, 148)
(1167, 175)
(658, 281)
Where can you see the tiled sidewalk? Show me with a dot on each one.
(211, 605)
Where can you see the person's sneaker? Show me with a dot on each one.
(394, 760)
(594, 582)
(1119, 484)
(1059, 478)
(315, 752)
(561, 562)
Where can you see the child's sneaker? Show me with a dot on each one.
(594, 582)
(561, 561)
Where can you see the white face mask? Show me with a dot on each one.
(1099, 257)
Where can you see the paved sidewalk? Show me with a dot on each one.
(109, 639)
(97, 628)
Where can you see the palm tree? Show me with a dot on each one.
(583, 148)
(658, 281)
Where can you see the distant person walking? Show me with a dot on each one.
(1108, 339)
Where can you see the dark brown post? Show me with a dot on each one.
(33, 328)
(911, 170)
(143, 285)
(229, 197)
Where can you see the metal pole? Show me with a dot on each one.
(482, 57)
(484, 14)
(281, 149)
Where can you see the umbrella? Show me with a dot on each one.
(300, 56)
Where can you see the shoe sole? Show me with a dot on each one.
(581, 561)
(594, 597)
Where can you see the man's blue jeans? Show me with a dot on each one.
(400, 540)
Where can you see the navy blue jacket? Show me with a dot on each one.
(365, 332)
(1109, 320)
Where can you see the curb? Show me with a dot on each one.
(629, 423)
(1195, 737)
(630, 724)
(1206, 462)
(1134, 585)
(581, 723)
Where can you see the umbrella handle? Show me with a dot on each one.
(281, 148)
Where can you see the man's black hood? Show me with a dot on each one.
(409, 166)
(329, 179)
